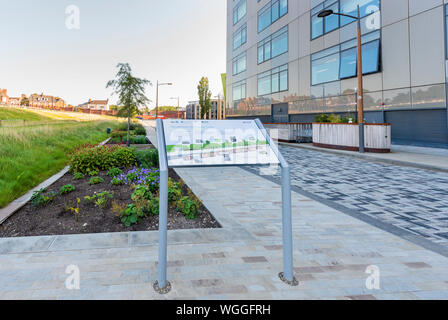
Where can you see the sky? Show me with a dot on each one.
(179, 41)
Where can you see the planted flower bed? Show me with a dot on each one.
(110, 188)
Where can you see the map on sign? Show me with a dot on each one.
(216, 142)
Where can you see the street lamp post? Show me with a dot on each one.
(178, 105)
(157, 95)
(360, 91)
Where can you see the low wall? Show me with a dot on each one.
(377, 137)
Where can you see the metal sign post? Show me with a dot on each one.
(162, 286)
(288, 264)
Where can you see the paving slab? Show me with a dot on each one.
(334, 254)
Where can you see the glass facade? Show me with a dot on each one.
(273, 46)
(318, 73)
(239, 91)
(340, 62)
(273, 81)
(240, 37)
(239, 64)
(239, 11)
(321, 26)
(273, 11)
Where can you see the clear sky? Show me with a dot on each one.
(175, 41)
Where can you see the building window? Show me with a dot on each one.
(273, 81)
(321, 26)
(240, 37)
(340, 62)
(239, 12)
(239, 64)
(273, 46)
(270, 13)
(239, 91)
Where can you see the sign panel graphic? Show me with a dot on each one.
(192, 143)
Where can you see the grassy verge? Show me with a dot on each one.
(19, 114)
(30, 155)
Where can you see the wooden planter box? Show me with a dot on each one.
(343, 136)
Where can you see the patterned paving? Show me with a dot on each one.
(333, 253)
(412, 199)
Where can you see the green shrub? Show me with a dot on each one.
(140, 130)
(131, 215)
(144, 201)
(90, 158)
(148, 158)
(96, 180)
(332, 118)
(174, 191)
(78, 176)
(117, 182)
(322, 118)
(66, 189)
(134, 126)
(114, 172)
(92, 173)
(118, 134)
(188, 207)
(100, 200)
(141, 192)
(138, 140)
(40, 198)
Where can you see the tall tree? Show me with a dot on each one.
(205, 96)
(130, 91)
(25, 102)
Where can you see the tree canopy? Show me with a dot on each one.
(205, 96)
(130, 91)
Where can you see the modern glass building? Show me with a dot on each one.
(285, 64)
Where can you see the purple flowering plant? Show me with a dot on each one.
(141, 176)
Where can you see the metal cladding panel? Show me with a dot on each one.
(428, 126)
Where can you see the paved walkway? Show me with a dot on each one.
(411, 199)
(332, 252)
(417, 157)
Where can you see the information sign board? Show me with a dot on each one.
(192, 143)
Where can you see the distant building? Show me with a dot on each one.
(96, 105)
(44, 101)
(15, 101)
(193, 110)
(217, 110)
(4, 99)
(178, 114)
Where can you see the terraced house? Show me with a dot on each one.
(285, 64)
(45, 101)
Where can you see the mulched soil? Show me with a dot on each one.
(53, 219)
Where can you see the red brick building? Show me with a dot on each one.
(4, 99)
(46, 102)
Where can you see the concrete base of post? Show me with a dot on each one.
(164, 290)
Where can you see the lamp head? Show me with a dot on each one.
(325, 13)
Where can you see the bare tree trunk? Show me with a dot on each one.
(129, 129)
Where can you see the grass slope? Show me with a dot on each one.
(30, 155)
(19, 114)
